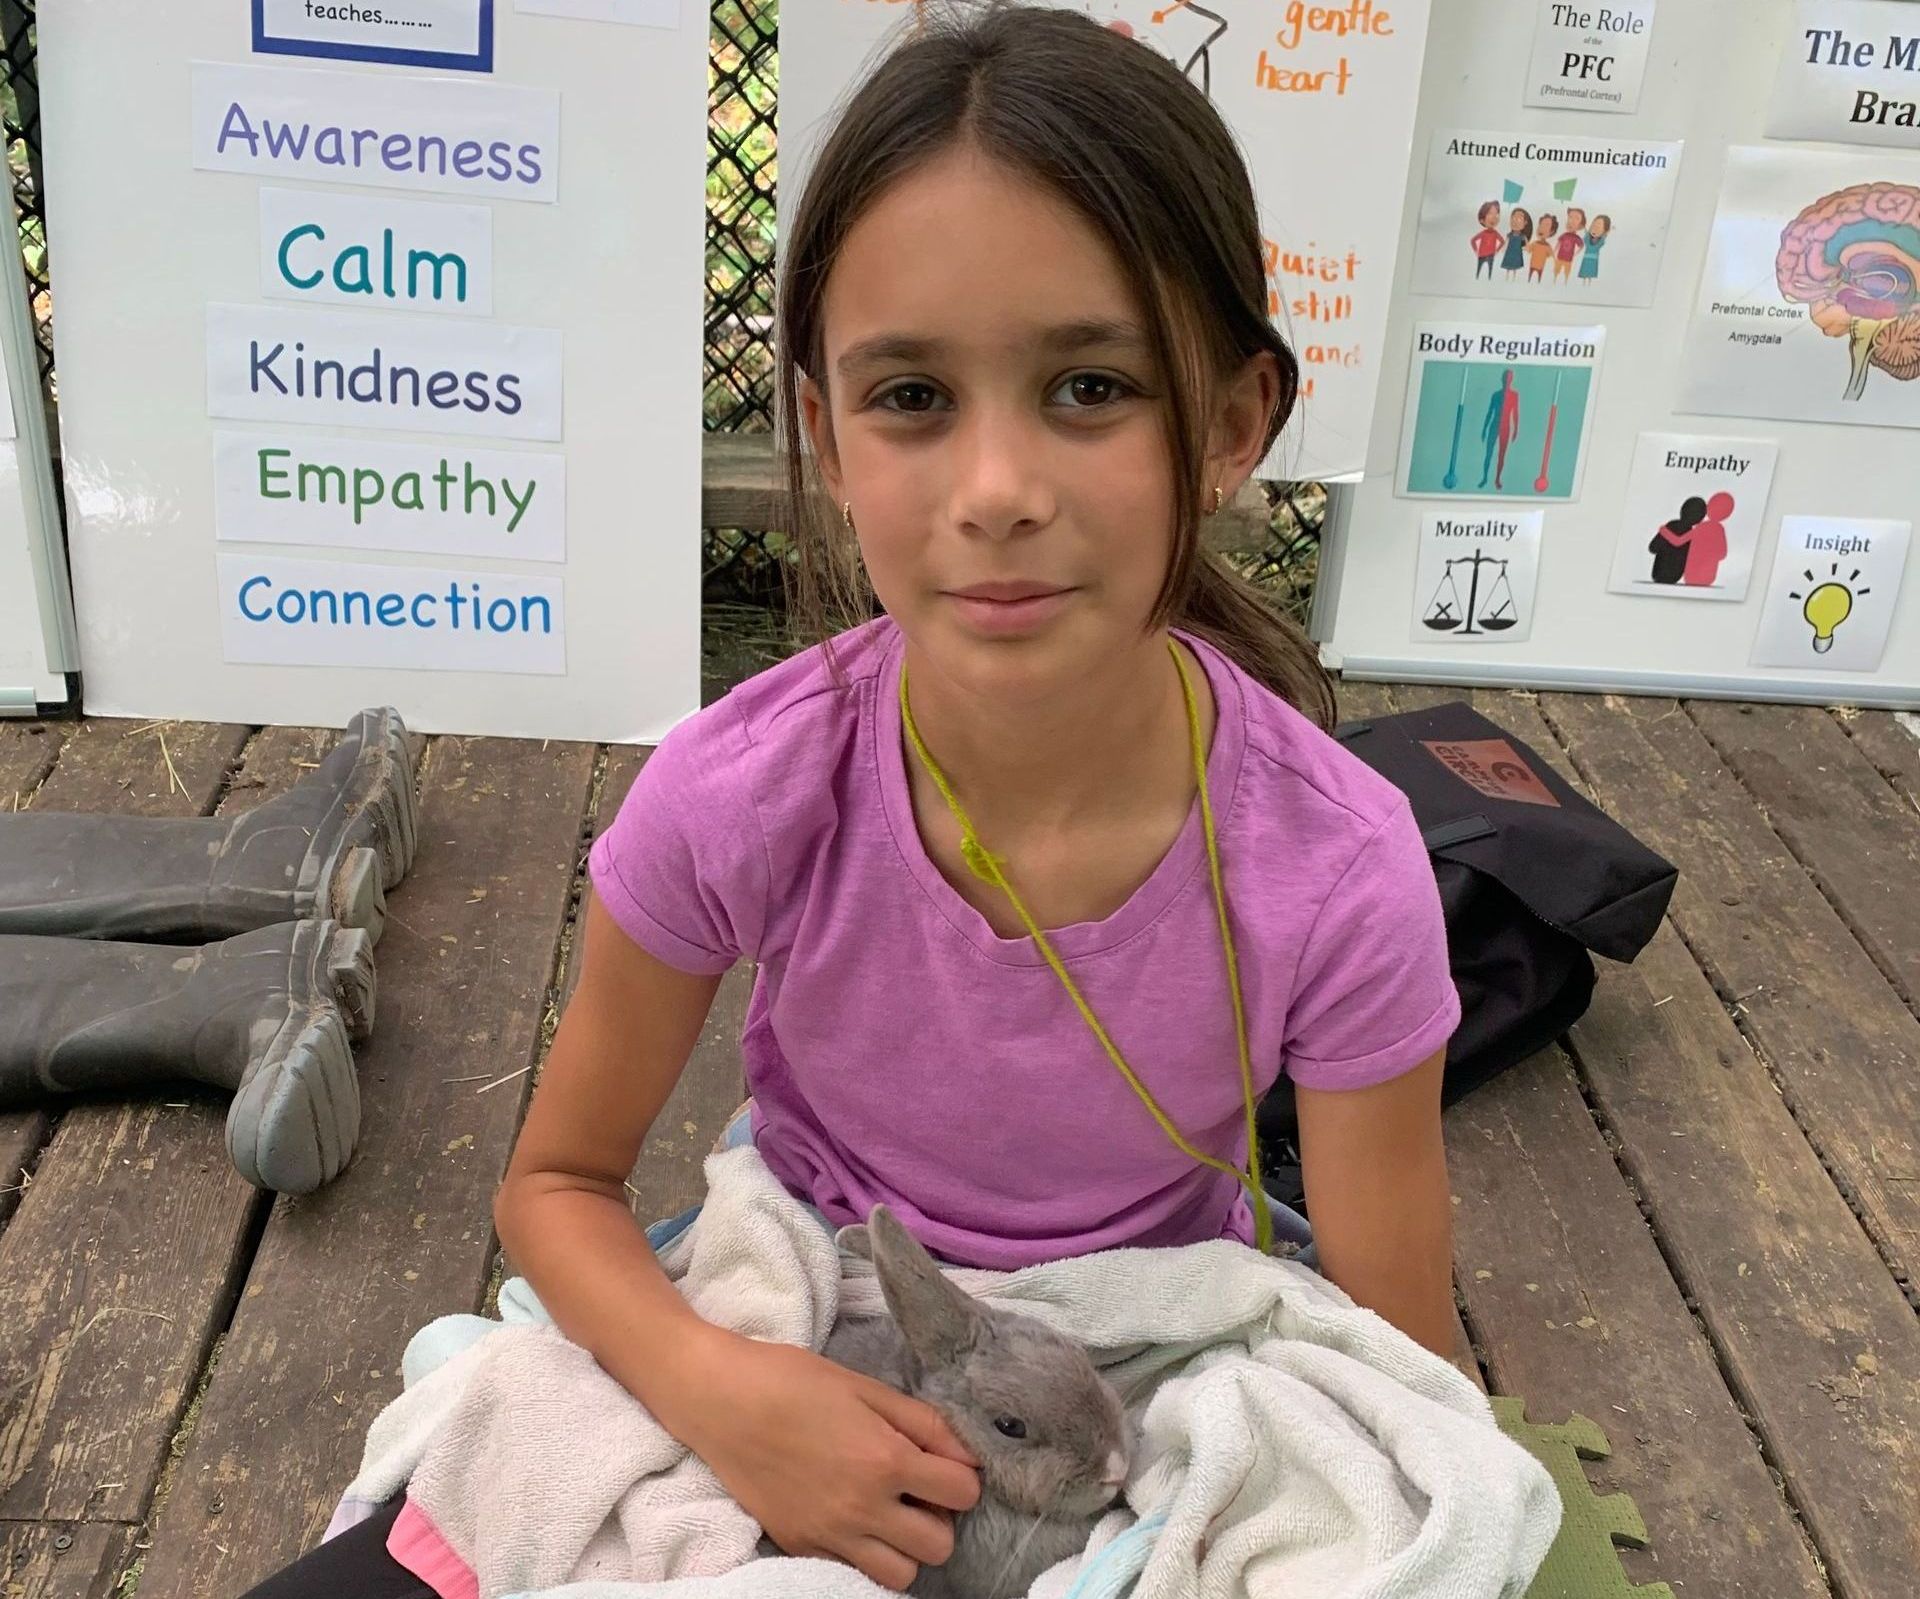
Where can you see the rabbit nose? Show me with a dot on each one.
(1116, 1476)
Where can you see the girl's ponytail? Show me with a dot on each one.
(1238, 620)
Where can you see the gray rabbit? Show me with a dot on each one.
(1048, 1430)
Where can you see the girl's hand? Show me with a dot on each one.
(834, 1464)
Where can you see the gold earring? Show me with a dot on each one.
(846, 512)
(1218, 498)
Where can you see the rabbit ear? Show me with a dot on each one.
(855, 1241)
(938, 1320)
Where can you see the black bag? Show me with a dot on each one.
(1532, 877)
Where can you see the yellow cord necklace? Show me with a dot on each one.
(987, 867)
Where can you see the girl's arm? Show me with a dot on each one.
(562, 1212)
(828, 1462)
(1376, 1179)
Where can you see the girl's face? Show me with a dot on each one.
(992, 414)
(1518, 221)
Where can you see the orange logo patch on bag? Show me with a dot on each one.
(1491, 766)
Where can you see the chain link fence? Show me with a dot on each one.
(742, 566)
(20, 109)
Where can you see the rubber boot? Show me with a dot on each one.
(330, 847)
(266, 1015)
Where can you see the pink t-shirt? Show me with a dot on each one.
(900, 1050)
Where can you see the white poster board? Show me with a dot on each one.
(381, 380)
(36, 610)
(1295, 83)
(1675, 506)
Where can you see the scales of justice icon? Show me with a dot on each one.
(1494, 612)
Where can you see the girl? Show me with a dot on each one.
(1596, 238)
(1541, 250)
(1519, 233)
(1486, 243)
(1570, 245)
(1023, 319)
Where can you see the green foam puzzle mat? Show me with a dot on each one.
(1582, 1564)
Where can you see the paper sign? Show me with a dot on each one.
(1498, 411)
(1478, 574)
(1807, 307)
(1589, 57)
(1695, 506)
(1530, 218)
(374, 494)
(641, 13)
(350, 249)
(1850, 74)
(441, 134)
(1830, 603)
(418, 374)
(330, 613)
(407, 33)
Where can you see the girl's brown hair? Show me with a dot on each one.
(1119, 134)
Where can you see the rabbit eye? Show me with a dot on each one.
(1010, 1426)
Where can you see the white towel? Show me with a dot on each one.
(1292, 1442)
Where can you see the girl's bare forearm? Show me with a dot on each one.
(589, 1261)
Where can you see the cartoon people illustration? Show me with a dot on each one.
(1486, 243)
(1708, 546)
(1541, 250)
(1596, 238)
(1519, 232)
(1570, 245)
(1689, 549)
(1500, 429)
(1668, 546)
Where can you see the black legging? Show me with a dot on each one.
(354, 1565)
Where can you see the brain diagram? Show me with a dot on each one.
(1854, 257)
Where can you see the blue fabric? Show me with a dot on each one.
(1114, 1571)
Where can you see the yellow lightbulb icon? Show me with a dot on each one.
(1827, 607)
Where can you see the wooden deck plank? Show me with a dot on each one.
(1568, 1295)
(342, 1278)
(27, 753)
(1820, 1344)
(1891, 741)
(1574, 1308)
(116, 1237)
(113, 764)
(59, 1560)
(1856, 837)
(1834, 1034)
(1814, 1336)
